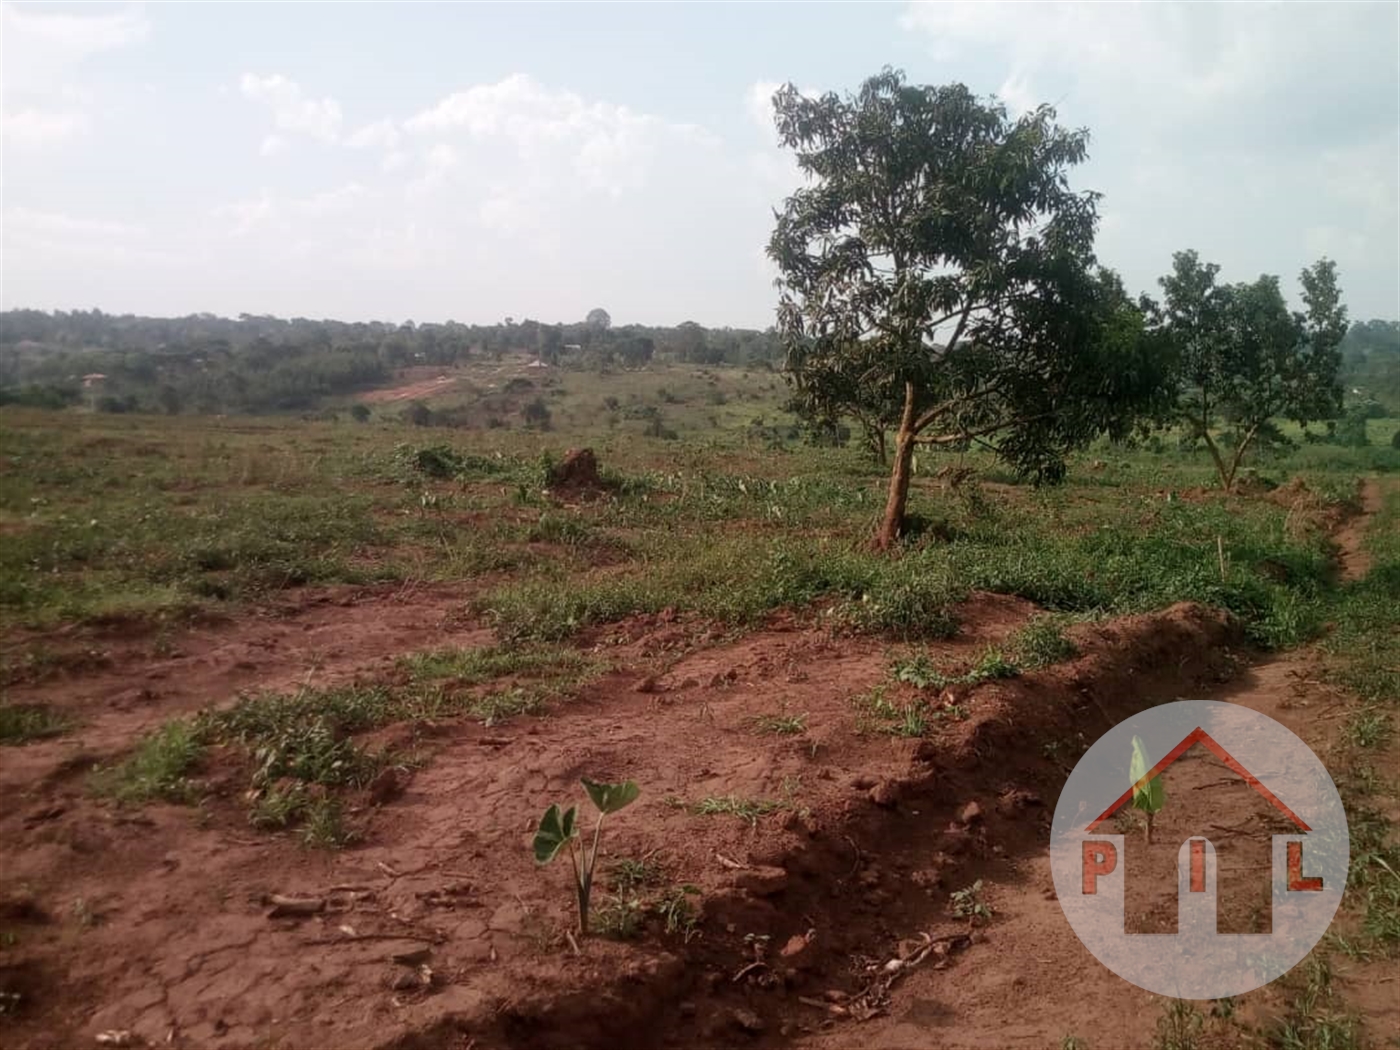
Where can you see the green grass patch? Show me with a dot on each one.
(22, 723)
(159, 768)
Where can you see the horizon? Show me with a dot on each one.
(181, 160)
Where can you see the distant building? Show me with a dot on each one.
(92, 379)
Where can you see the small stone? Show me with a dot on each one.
(863, 782)
(885, 794)
(971, 813)
(796, 945)
(870, 877)
(835, 995)
(746, 1019)
(762, 881)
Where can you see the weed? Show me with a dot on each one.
(325, 826)
(630, 873)
(677, 913)
(278, 807)
(967, 903)
(1368, 728)
(1312, 1022)
(748, 809)
(21, 723)
(619, 918)
(159, 768)
(1179, 1027)
(1040, 643)
(1073, 1042)
(782, 724)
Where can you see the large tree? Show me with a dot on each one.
(938, 279)
(1243, 358)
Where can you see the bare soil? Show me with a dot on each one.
(157, 922)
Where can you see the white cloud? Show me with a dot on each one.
(39, 128)
(73, 35)
(45, 103)
(272, 145)
(382, 134)
(34, 222)
(292, 110)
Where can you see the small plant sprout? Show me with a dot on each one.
(967, 903)
(1148, 797)
(558, 829)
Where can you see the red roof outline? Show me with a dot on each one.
(1199, 736)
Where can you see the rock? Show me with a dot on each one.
(746, 1019)
(971, 813)
(885, 793)
(863, 782)
(870, 877)
(386, 787)
(762, 881)
(647, 685)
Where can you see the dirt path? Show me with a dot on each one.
(1354, 559)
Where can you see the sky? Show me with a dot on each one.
(474, 162)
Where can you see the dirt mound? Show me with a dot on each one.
(576, 474)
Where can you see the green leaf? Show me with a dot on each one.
(554, 832)
(1150, 797)
(609, 798)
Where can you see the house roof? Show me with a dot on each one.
(1198, 736)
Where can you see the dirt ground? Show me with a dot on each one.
(439, 930)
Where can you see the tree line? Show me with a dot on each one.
(251, 364)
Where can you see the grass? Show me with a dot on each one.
(1315, 1019)
(747, 809)
(780, 724)
(159, 768)
(22, 723)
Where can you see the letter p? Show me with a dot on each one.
(1100, 858)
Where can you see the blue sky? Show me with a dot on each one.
(478, 161)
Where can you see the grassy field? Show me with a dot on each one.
(713, 511)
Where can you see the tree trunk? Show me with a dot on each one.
(893, 524)
(1227, 477)
(1244, 444)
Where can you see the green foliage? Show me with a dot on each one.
(1243, 358)
(967, 903)
(21, 723)
(747, 809)
(325, 826)
(937, 276)
(558, 829)
(159, 768)
(1041, 643)
(1179, 1026)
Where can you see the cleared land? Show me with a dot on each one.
(350, 664)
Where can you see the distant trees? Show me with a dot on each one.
(598, 319)
(938, 279)
(1242, 358)
(359, 413)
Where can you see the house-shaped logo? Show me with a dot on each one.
(1214, 869)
